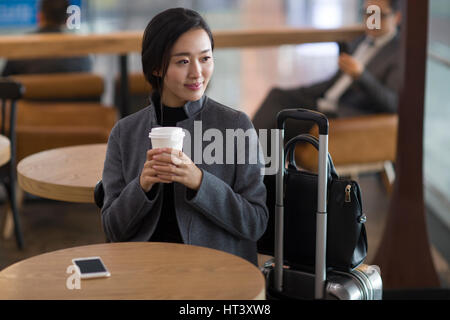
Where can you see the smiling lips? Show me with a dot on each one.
(194, 86)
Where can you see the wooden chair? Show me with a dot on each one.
(59, 110)
(358, 145)
(10, 92)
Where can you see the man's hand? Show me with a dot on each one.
(350, 66)
(178, 167)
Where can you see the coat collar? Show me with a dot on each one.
(191, 107)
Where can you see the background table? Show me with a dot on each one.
(139, 270)
(66, 174)
(125, 42)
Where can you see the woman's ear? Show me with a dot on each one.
(156, 73)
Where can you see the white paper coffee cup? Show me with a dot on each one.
(167, 137)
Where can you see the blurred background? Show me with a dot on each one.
(242, 79)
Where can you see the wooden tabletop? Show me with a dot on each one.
(139, 270)
(66, 174)
(58, 45)
(5, 150)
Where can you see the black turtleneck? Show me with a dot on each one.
(167, 228)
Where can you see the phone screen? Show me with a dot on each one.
(90, 266)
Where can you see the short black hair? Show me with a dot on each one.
(54, 11)
(159, 37)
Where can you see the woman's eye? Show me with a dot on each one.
(184, 61)
(204, 59)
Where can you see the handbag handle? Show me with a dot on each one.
(289, 151)
(303, 114)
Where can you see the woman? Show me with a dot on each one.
(160, 194)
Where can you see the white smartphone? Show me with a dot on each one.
(91, 267)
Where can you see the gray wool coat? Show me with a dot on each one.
(227, 213)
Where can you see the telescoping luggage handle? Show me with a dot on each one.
(303, 114)
(321, 216)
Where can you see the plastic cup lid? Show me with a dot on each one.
(162, 132)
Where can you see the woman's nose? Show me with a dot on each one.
(195, 69)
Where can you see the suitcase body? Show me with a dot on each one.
(362, 283)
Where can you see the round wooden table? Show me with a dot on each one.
(5, 150)
(139, 270)
(66, 174)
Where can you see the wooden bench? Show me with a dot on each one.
(62, 86)
(358, 145)
(61, 110)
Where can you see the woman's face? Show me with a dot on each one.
(190, 68)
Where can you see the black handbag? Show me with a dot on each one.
(346, 233)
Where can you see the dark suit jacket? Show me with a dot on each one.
(47, 65)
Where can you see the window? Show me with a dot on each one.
(437, 115)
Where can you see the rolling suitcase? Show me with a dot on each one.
(283, 281)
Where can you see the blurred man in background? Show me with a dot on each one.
(367, 81)
(52, 18)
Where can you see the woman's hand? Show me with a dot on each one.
(177, 166)
(149, 175)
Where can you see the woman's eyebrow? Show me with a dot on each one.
(188, 53)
